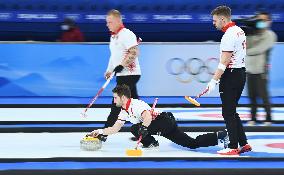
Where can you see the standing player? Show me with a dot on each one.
(123, 59)
(231, 73)
(148, 122)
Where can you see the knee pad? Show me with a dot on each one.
(172, 118)
(134, 129)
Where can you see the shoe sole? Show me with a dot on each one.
(152, 148)
(230, 153)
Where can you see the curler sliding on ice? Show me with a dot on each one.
(148, 122)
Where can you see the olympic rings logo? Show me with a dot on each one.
(192, 68)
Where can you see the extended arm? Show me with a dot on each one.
(107, 131)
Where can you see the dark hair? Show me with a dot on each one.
(121, 90)
(264, 13)
(222, 10)
(69, 21)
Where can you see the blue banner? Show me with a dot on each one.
(54, 69)
(162, 17)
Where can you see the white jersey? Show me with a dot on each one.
(119, 45)
(234, 40)
(134, 110)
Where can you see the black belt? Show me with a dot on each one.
(235, 69)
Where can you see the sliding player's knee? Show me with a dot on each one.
(134, 129)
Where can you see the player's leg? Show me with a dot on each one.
(148, 141)
(166, 125)
(114, 112)
(242, 139)
(228, 94)
(133, 88)
(113, 115)
(240, 86)
(181, 138)
(231, 86)
(130, 81)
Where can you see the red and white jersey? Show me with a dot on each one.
(234, 40)
(134, 110)
(119, 45)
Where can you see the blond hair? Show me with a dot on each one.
(114, 13)
(222, 11)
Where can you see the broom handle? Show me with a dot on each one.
(202, 93)
(138, 142)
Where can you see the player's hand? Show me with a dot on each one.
(143, 131)
(107, 75)
(94, 133)
(211, 85)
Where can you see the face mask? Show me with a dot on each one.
(261, 25)
(65, 27)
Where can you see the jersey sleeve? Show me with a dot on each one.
(129, 39)
(228, 42)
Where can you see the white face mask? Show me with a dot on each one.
(261, 25)
(65, 27)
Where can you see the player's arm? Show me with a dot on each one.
(147, 118)
(114, 129)
(224, 62)
(108, 131)
(131, 54)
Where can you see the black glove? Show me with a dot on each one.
(102, 138)
(118, 69)
(143, 131)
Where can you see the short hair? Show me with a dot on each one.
(222, 11)
(114, 12)
(121, 90)
(264, 13)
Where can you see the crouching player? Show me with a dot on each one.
(148, 122)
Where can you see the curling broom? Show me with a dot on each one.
(194, 100)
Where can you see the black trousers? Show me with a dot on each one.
(131, 81)
(166, 126)
(257, 87)
(231, 86)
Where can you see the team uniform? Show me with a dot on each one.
(163, 124)
(120, 43)
(232, 82)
